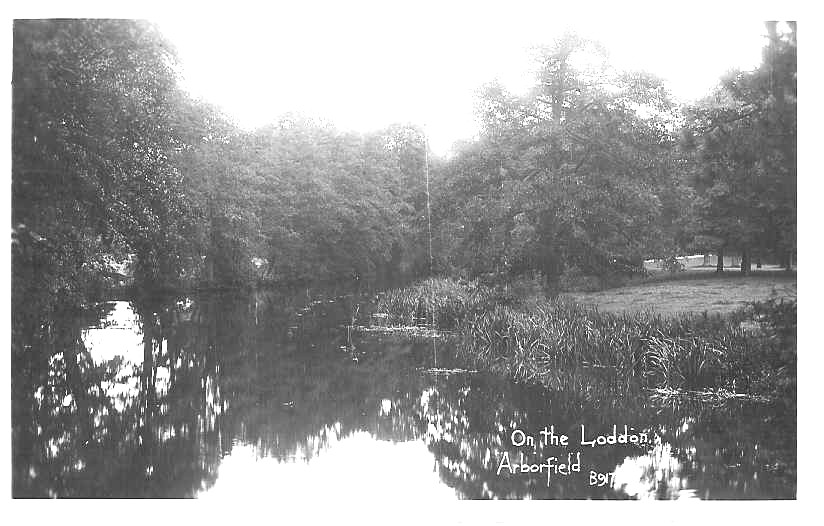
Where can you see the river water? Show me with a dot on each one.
(271, 395)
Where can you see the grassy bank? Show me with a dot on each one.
(561, 343)
(697, 292)
(573, 281)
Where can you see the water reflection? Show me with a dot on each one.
(355, 467)
(264, 394)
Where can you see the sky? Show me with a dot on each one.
(363, 67)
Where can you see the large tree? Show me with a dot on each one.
(330, 204)
(578, 173)
(91, 147)
(743, 139)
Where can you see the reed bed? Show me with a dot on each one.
(687, 352)
(439, 303)
(564, 345)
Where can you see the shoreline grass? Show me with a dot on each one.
(439, 303)
(564, 345)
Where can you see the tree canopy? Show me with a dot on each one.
(578, 173)
(592, 171)
(743, 144)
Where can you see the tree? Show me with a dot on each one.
(91, 146)
(578, 173)
(744, 141)
(223, 216)
(330, 205)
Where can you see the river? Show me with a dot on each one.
(265, 394)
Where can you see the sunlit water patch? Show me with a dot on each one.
(353, 468)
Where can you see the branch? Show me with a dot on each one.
(742, 116)
(583, 159)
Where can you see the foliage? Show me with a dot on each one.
(577, 173)
(685, 352)
(444, 303)
(742, 141)
(558, 342)
(333, 204)
(91, 148)
(586, 173)
(112, 159)
(584, 176)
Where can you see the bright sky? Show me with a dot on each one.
(363, 67)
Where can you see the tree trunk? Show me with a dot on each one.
(761, 250)
(211, 251)
(745, 261)
(719, 265)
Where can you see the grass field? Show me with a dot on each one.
(693, 291)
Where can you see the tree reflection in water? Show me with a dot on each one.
(160, 398)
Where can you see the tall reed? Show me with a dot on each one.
(563, 345)
(438, 302)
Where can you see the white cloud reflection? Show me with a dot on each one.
(352, 469)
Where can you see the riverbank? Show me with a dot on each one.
(695, 292)
(561, 344)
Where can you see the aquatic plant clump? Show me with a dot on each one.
(561, 344)
(438, 302)
(683, 352)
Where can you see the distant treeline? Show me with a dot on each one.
(592, 171)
